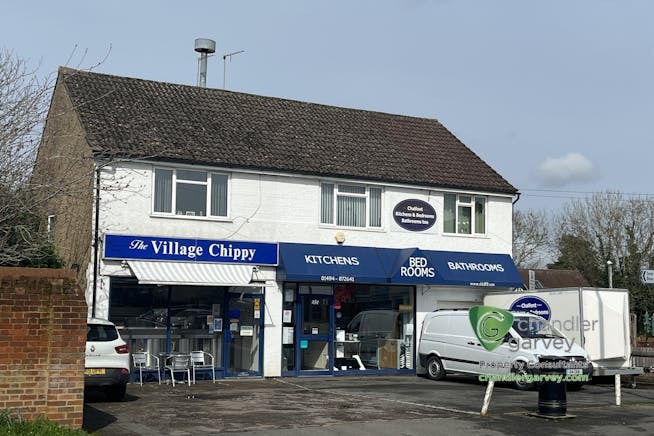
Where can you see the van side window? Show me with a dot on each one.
(437, 324)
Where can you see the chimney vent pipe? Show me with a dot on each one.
(205, 47)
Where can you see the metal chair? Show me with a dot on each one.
(198, 361)
(179, 363)
(141, 359)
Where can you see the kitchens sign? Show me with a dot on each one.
(414, 215)
(198, 250)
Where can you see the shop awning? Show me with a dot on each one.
(192, 273)
(457, 269)
(348, 264)
(330, 263)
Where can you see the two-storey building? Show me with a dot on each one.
(283, 237)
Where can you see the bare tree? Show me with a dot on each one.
(23, 105)
(532, 245)
(612, 228)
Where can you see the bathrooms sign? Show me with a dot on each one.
(199, 250)
(414, 215)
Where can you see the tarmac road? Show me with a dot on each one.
(374, 405)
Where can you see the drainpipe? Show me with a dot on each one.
(96, 237)
(516, 199)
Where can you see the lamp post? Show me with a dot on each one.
(609, 264)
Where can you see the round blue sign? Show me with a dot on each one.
(414, 215)
(532, 304)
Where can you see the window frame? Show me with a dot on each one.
(471, 204)
(208, 183)
(336, 193)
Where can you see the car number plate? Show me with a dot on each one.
(94, 371)
(574, 371)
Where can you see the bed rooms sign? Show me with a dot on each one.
(198, 250)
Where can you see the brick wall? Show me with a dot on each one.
(64, 173)
(42, 341)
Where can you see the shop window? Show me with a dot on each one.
(464, 214)
(351, 205)
(374, 327)
(142, 313)
(190, 192)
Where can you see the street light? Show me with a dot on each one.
(610, 266)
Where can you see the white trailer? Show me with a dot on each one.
(595, 318)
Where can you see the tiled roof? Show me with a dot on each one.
(137, 118)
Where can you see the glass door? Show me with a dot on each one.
(243, 356)
(314, 337)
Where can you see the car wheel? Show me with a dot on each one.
(116, 393)
(435, 369)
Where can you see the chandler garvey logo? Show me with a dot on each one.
(490, 325)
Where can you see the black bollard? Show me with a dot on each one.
(552, 399)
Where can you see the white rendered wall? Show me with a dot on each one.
(272, 336)
(277, 208)
(428, 297)
(280, 208)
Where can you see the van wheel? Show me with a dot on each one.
(435, 369)
(522, 385)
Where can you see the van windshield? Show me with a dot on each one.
(530, 327)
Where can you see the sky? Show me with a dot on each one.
(557, 96)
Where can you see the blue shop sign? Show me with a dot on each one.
(413, 266)
(474, 269)
(532, 304)
(330, 263)
(414, 215)
(190, 250)
(455, 268)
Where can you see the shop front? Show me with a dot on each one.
(183, 295)
(340, 313)
(352, 309)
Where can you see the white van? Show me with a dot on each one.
(449, 344)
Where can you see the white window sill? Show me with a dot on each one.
(192, 217)
(465, 235)
(350, 229)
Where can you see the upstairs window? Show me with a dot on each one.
(350, 205)
(190, 192)
(464, 214)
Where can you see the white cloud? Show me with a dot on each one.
(569, 169)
